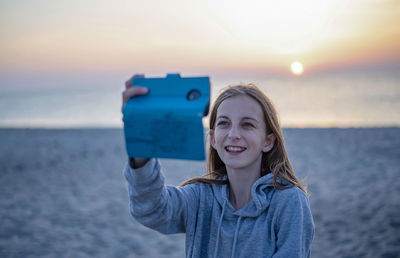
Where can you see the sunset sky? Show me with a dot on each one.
(220, 37)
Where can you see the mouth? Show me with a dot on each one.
(235, 149)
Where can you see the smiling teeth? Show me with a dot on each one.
(235, 149)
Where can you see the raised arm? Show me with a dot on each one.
(155, 205)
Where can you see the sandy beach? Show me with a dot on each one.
(62, 193)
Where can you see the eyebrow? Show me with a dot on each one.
(243, 118)
(250, 118)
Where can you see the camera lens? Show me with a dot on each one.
(193, 94)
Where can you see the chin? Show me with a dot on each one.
(235, 165)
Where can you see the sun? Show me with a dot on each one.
(297, 68)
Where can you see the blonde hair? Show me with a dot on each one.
(275, 161)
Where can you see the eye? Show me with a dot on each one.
(247, 124)
(222, 123)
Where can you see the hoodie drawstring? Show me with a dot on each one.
(219, 232)
(236, 236)
(219, 229)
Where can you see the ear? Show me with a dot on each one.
(212, 138)
(269, 142)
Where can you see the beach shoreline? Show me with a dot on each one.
(63, 193)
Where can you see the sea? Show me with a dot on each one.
(359, 99)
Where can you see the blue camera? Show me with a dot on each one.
(167, 122)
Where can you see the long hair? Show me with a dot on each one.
(275, 161)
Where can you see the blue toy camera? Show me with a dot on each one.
(167, 122)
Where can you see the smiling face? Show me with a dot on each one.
(240, 133)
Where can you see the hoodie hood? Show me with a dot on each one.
(261, 192)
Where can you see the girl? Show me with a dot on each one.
(249, 204)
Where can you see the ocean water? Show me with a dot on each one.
(60, 108)
(340, 100)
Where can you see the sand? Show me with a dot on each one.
(62, 193)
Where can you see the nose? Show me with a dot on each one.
(234, 133)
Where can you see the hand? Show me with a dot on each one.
(131, 91)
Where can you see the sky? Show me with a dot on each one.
(221, 37)
(349, 50)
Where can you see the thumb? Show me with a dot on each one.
(133, 91)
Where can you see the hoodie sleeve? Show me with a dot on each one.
(155, 205)
(294, 225)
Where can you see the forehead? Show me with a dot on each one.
(240, 106)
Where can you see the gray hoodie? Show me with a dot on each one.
(275, 223)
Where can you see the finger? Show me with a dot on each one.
(133, 91)
(128, 83)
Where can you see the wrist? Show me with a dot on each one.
(137, 162)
